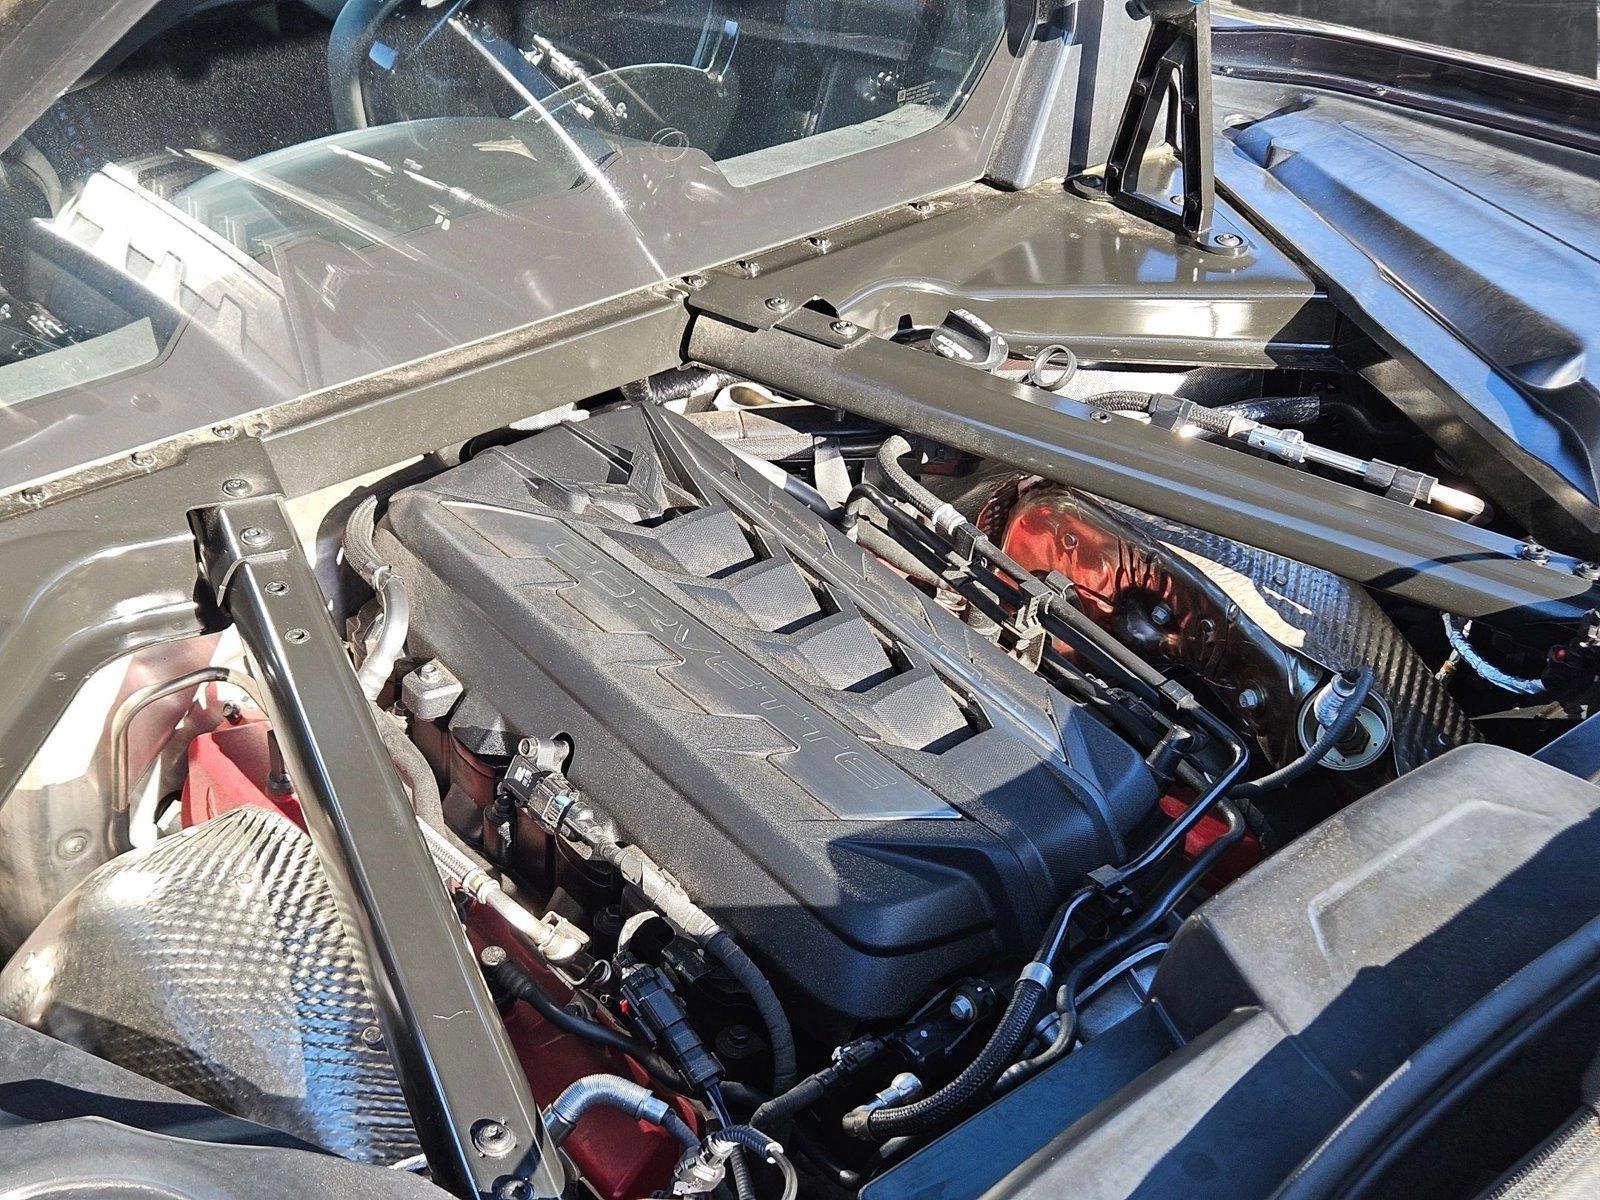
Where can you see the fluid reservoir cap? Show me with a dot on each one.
(967, 338)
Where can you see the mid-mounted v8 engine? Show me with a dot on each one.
(870, 796)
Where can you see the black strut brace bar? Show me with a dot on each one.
(1412, 553)
(474, 1116)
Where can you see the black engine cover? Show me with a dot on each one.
(872, 798)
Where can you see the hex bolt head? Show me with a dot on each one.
(297, 636)
(1160, 614)
(371, 1035)
(493, 1138)
(1533, 552)
(1250, 699)
(236, 487)
(777, 304)
(962, 1008)
(845, 328)
(254, 535)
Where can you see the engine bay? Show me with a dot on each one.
(1008, 696)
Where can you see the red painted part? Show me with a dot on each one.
(228, 769)
(621, 1159)
(1206, 831)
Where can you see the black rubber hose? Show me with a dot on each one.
(359, 551)
(972, 1085)
(1329, 738)
(677, 385)
(1282, 411)
(721, 947)
(1153, 914)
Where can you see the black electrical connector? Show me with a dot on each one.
(651, 1001)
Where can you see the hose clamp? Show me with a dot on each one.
(1039, 972)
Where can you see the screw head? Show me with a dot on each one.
(371, 1035)
(429, 670)
(921, 206)
(845, 328)
(748, 267)
(493, 1138)
(1100, 415)
(1532, 551)
(513, 1189)
(33, 495)
(223, 430)
(695, 282)
(1587, 570)
(236, 487)
(255, 536)
(962, 1008)
(73, 844)
(820, 244)
(1229, 239)
(277, 587)
(297, 635)
(143, 458)
(777, 304)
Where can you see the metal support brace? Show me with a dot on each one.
(1175, 67)
(475, 1118)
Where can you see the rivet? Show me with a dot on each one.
(277, 587)
(297, 635)
(254, 536)
(845, 328)
(777, 304)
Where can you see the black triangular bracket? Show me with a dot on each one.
(1175, 66)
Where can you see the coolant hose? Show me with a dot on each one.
(1153, 915)
(727, 952)
(973, 1084)
(1332, 734)
(613, 1091)
(361, 554)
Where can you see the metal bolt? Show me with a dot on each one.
(962, 1008)
(371, 1035)
(255, 536)
(297, 635)
(1229, 239)
(1093, 182)
(1250, 699)
(748, 267)
(492, 956)
(236, 487)
(493, 1138)
(695, 282)
(820, 244)
(33, 495)
(777, 304)
(1161, 614)
(921, 206)
(429, 670)
(1587, 570)
(72, 845)
(277, 587)
(513, 1189)
(1100, 416)
(845, 328)
(143, 458)
(1533, 551)
(223, 430)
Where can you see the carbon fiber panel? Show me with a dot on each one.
(215, 963)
